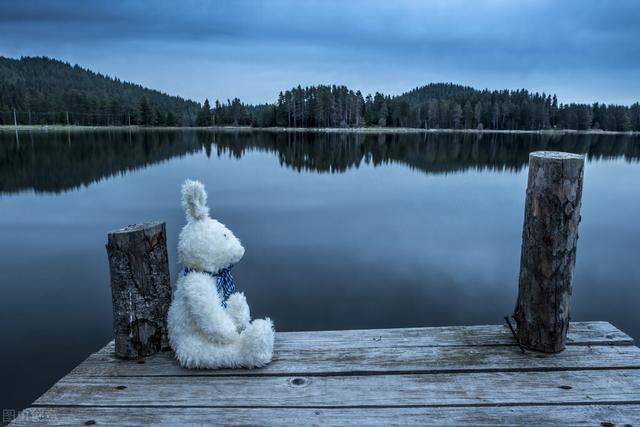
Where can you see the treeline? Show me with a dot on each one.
(47, 91)
(435, 106)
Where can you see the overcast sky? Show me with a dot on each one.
(583, 50)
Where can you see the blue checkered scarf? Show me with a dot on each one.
(224, 282)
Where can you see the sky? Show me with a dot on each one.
(582, 50)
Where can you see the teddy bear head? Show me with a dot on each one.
(205, 244)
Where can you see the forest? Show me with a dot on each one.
(435, 106)
(47, 91)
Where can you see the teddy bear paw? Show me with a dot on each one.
(257, 343)
(238, 310)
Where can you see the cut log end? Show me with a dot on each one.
(132, 228)
(555, 155)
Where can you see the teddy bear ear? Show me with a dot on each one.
(194, 200)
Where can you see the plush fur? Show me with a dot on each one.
(202, 332)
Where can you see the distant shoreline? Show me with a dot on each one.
(369, 130)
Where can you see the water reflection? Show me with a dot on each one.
(63, 161)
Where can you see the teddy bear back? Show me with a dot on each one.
(204, 244)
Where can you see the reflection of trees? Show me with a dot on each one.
(427, 152)
(59, 161)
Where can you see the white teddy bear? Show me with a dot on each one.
(209, 325)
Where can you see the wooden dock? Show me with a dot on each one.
(470, 375)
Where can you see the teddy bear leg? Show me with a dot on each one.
(238, 310)
(257, 343)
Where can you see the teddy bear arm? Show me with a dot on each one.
(238, 310)
(208, 314)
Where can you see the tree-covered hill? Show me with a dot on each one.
(47, 91)
(435, 106)
(423, 94)
(43, 90)
(454, 106)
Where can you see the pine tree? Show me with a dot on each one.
(433, 114)
(204, 116)
(145, 113)
(382, 115)
(468, 115)
(170, 119)
(158, 118)
(477, 115)
(456, 116)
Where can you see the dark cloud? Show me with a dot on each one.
(583, 50)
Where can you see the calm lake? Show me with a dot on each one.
(340, 230)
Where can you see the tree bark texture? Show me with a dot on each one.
(549, 239)
(140, 288)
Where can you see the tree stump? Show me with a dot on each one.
(549, 239)
(140, 288)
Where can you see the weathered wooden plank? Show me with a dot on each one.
(496, 388)
(580, 333)
(332, 359)
(588, 415)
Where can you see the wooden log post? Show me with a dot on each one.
(549, 239)
(140, 288)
